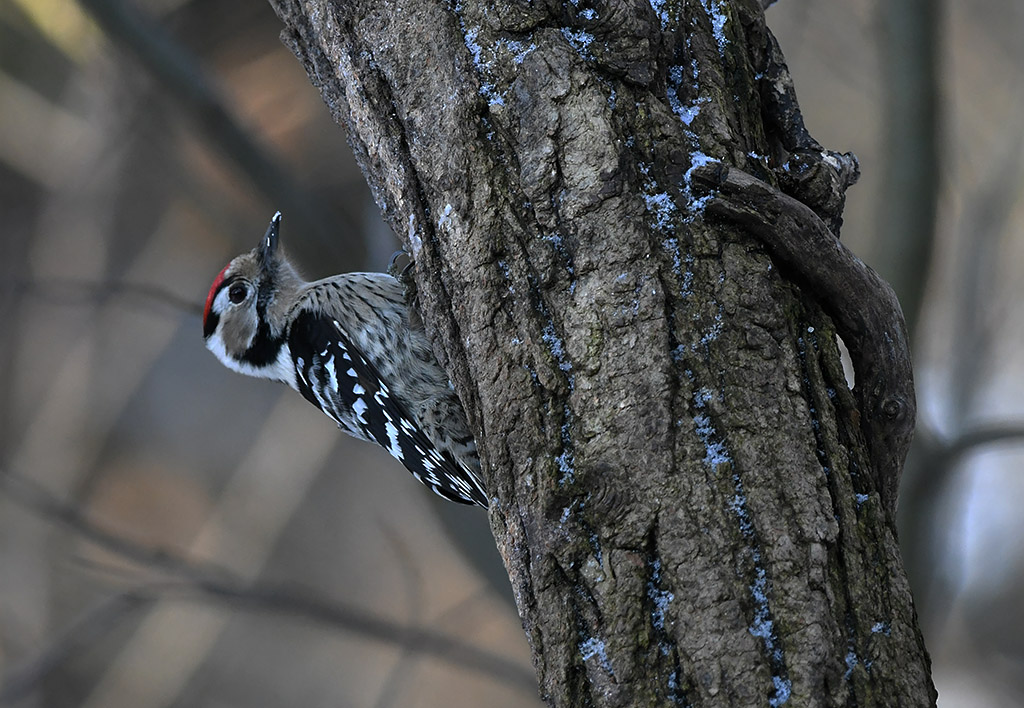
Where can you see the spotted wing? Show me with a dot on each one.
(334, 376)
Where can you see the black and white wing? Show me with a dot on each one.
(335, 377)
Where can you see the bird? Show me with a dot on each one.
(355, 348)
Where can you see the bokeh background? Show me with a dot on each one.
(172, 534)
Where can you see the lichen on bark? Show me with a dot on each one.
(693, 507)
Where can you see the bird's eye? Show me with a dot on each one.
(237, 293)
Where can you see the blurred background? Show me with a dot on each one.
(152, 553)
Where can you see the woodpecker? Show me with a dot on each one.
(353, 347)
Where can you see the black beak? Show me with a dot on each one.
(268, 246)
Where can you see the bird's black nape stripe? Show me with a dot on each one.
(264, 293)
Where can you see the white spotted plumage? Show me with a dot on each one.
(351, 346)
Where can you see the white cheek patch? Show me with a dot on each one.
(278, 370)
(221, 303)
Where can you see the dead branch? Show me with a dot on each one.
(865, 308)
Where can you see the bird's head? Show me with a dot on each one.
(245, 300)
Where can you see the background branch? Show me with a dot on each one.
(913, 171)
(21, 681)
(184, 78)
(216, 582)
(81, 292)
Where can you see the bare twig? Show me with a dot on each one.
(863, 306)
(179, 72)
(219, 583)
(95, 622)
(79, 292)
(403, 668)
(938, 461)
(989, 434)
(300, 603)
(34, 497)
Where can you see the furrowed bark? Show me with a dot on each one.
(693, 507)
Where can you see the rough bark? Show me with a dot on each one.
(616, 217)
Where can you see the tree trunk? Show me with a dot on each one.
(626, 255)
